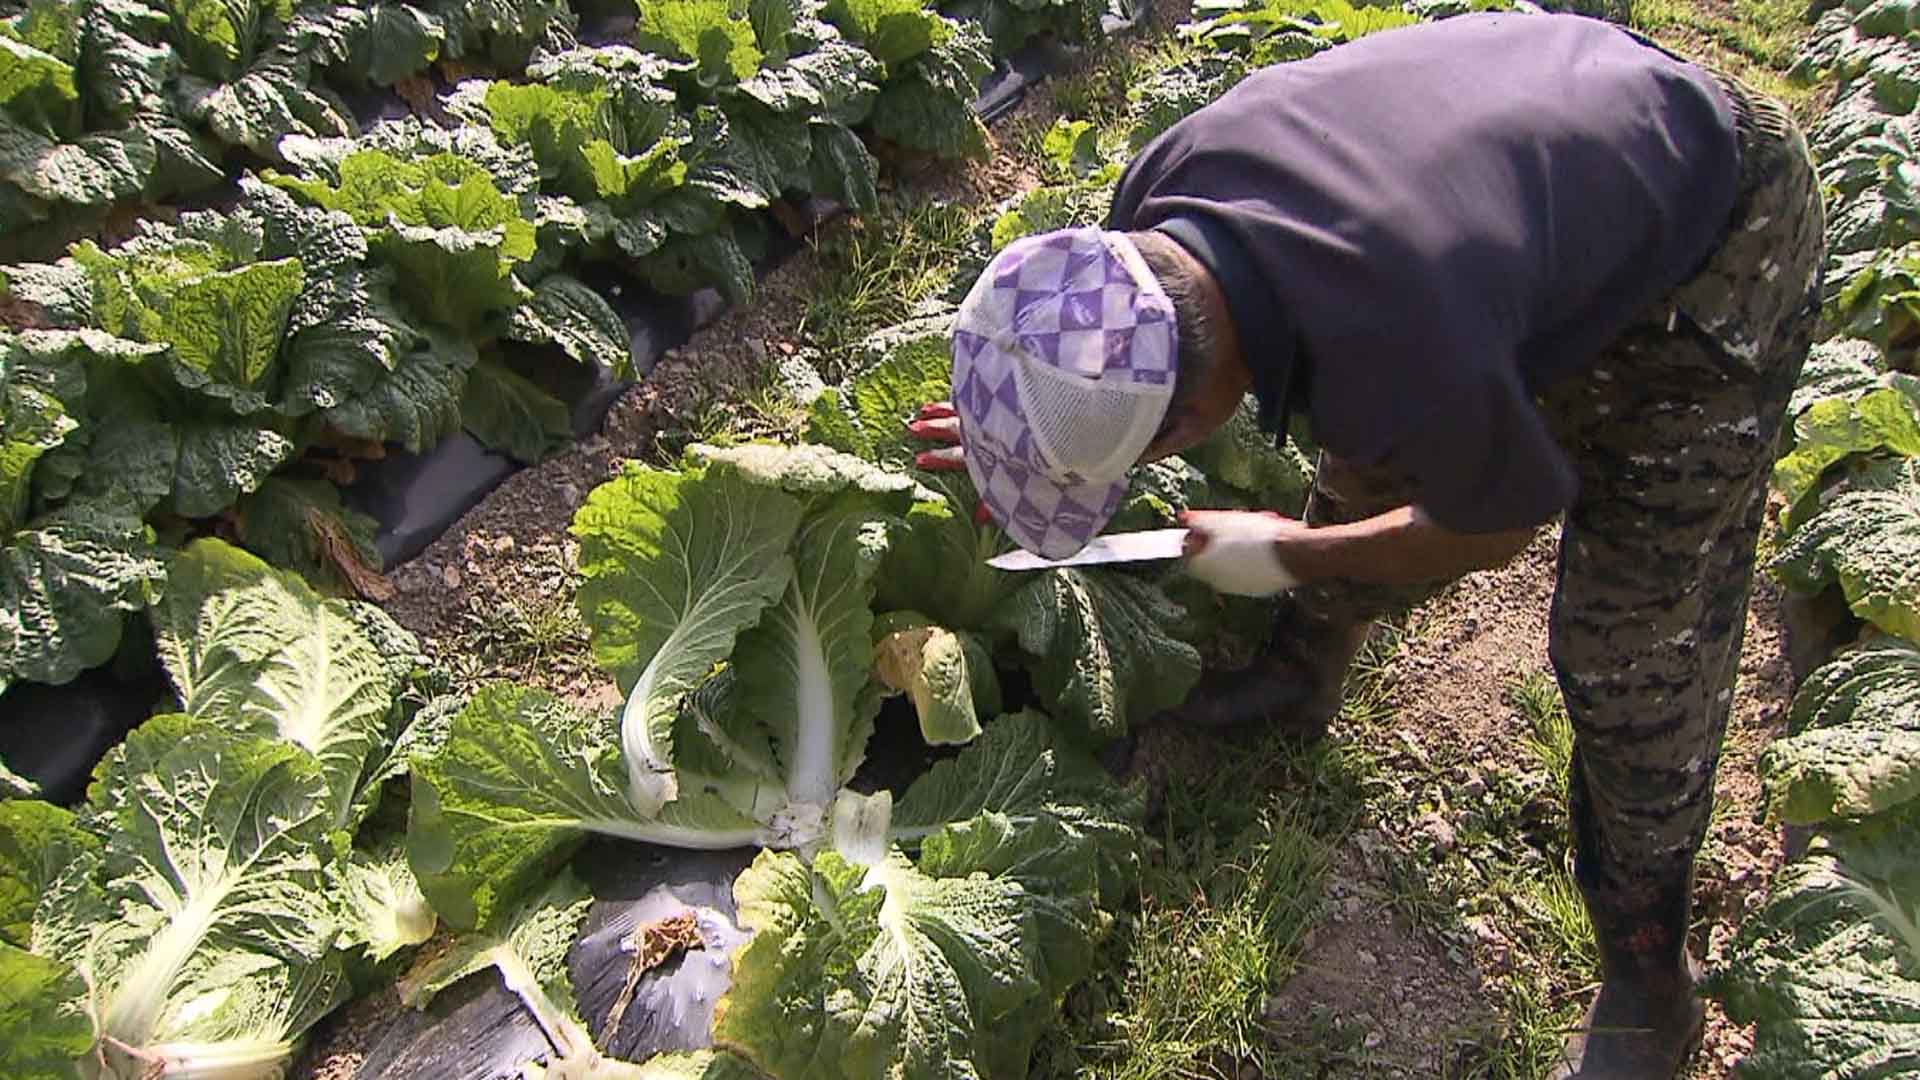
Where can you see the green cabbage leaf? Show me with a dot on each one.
(1853, 747)
(43, 1029)
(1864, 536)
(760, 558)
(453, 232)
(520, 779)
(191, 918)
(67, 582)
(51, 160)
(944, 963)
(380, 43)
(505, 35)
(948, 675)
(1882, 415)
(37, 842)
(240, 71)
(255, 649)
(386, 911)
(1829, 970)
(927, 105)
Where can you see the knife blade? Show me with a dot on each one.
(1118, 547)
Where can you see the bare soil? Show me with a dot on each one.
(1421, 994)
(1410, 1009)
(341, 1045)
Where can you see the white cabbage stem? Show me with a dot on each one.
(810, 776)
(143, 991)
(575, 1054)
(230, 1059)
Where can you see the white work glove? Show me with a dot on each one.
(1238, 552)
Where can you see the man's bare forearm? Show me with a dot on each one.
(1400, 547)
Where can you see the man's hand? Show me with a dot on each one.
(1242, 552)
(937, 422)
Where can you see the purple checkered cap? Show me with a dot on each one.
(1063, 365)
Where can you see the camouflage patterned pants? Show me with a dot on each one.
(1673, 434)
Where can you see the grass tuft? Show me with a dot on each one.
(1549, 735)
(520, 627)
(877, 270)
(1562, 920)
(1218, 930)
(729, 416)
(1753, 40)
(1536, 1028)
(1246, 842)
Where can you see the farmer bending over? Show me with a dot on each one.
(1506, 267)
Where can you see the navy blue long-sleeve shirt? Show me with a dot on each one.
(1451, 216)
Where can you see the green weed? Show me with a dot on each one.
(708, 419)
(1561, 918)
(1219, 929)
(1096, 89)
(877, 270)
(1765, 33)
(1536, 1028)
(1549, 730)
(1752, 40)
(729, 415)
(519, 628)
(1368, 695)
(1618, 11)
(1245, 845)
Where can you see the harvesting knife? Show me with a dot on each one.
(1118, 547)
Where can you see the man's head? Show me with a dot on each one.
(1209, 380)
(1068, 357)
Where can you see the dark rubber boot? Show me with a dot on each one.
(1293, 687)
(1646, 1019)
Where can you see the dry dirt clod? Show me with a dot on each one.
(1438, 831)
(21, 314)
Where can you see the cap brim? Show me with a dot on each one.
(1042, 515)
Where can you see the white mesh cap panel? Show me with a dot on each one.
(1063, 364)
(1095, 429)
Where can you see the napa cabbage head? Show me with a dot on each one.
(198, 920)
(732, 600)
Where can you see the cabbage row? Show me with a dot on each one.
(127, 103)
(1829, 969)
(225, 370)
(242, 862)
(314, 806)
